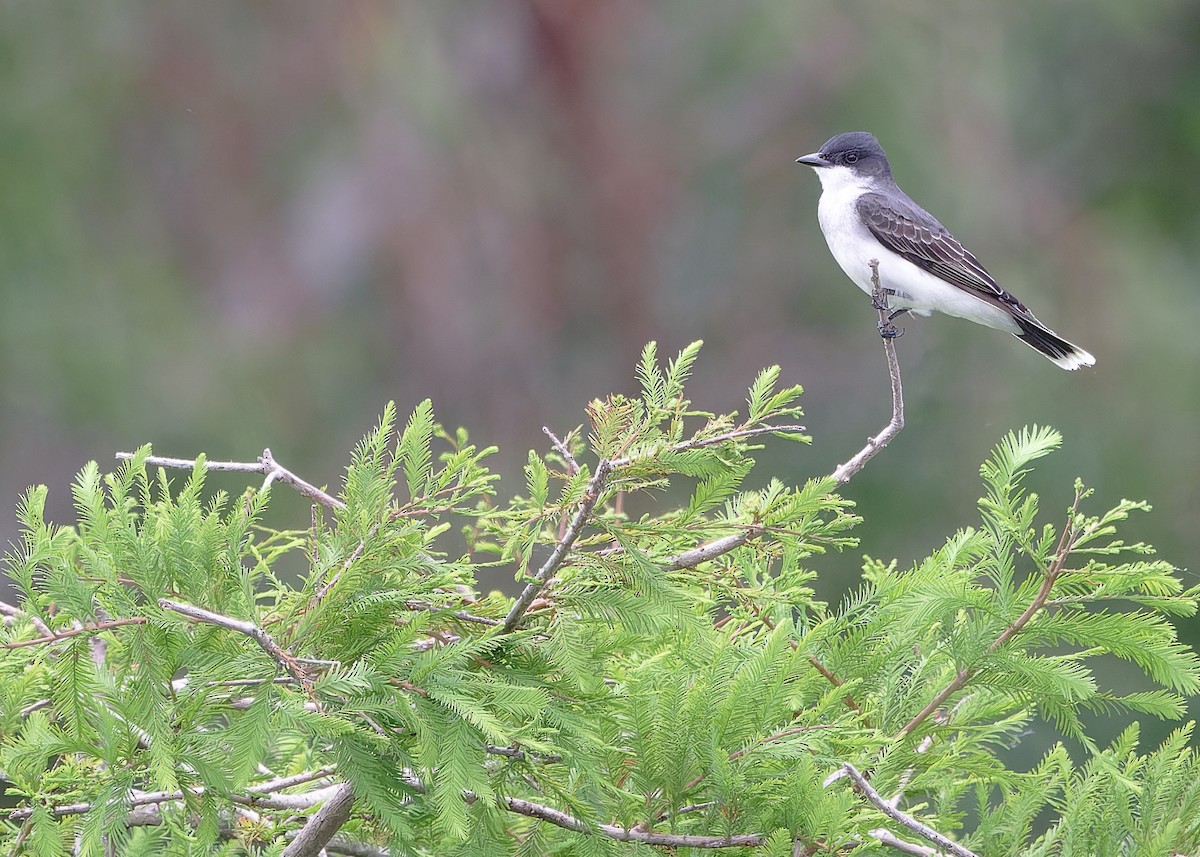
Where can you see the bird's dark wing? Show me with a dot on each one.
(913, 233)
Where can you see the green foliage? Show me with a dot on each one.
(670, 674)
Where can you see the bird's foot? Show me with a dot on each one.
(889, 331)
(886, 329)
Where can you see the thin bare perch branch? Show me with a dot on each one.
(257, 634)
(863, 785)
(887, 332)
(266, 465)
(327, 821)
(584, 511)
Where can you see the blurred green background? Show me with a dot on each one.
(229, 225)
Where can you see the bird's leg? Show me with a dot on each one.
(879, 298)
(886, 329)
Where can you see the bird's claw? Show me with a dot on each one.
(879, 300)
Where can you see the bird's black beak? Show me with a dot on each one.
(816, 159)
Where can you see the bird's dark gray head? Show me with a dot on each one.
(856, 150)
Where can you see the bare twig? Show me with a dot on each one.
(321, 593)
(572, 464)
(266, 465)
(634, 834)
(53, 637)
(327, 821)
(584, 510)
(180, 684)
(685, 810)
(261, 637)
(18, 613)
(272, 800)
(566, 821)
(461, 615)
(711, 550)
(863, 785)
(701, 443)
(1066, 543)
(281, 783)
(891, 840)
(703, 552)
(37, 705)
(888, 333)
(291, 803)
(521, 755)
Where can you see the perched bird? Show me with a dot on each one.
(922, 267)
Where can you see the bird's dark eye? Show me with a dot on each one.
(851, 157)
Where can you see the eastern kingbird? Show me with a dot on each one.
(922, 267)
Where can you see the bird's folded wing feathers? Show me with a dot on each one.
(914, 234)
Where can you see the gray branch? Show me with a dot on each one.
(711, 550)
(559, 555)
(631, 834)
(266, 465)
(863, 785)
(327, 821)
(257, 634)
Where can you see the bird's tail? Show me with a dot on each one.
(1049, 343)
